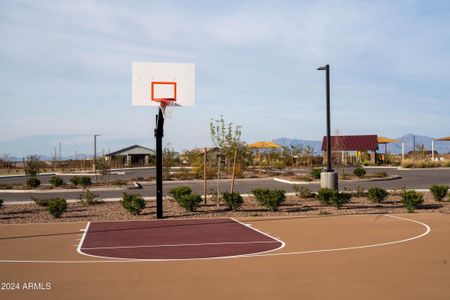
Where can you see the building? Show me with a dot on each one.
(135, 155)
(358, 144)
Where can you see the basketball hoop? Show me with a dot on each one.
(166, 105)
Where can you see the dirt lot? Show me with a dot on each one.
(293, 206)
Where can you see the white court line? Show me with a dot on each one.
(83, 237)
(121, 260)
(427, 231)
(179, 245)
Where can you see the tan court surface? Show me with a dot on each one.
(413, 269)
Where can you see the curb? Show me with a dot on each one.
(389, 178)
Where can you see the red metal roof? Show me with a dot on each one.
(352, 143)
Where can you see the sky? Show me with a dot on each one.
(66, 70)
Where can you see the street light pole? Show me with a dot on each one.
(329, 180)
(95, 156)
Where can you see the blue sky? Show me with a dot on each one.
(66, 69)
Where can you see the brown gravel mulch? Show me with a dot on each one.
(293, 206)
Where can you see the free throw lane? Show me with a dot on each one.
(174, 239)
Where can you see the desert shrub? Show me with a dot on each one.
(302, 192)
(339, 199)
(1, 203)
(56, 181)
(56, 206)
(358, 171)
(446, 164)
(179, 191)
(270, 199)
(75, 180)
(133, 203)
(119, 182)
(89, 198)
(376, 194)
(85, 181)
(305, 178)
(332, 197)
(40, 202)
(324, 195)
(189, 202)
(439, 192)
(33, 182)
(411, 200)
(359, 192)
(315, 173)
(381, 174)
(232, 200)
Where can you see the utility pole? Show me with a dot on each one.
(329, 178)
(94, 163)
(60, 156)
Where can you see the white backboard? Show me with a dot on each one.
(151, 81)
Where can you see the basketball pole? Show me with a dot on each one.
(159, 134)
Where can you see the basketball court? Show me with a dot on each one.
(340, 257)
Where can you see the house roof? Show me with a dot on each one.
(352, 143)
(135, 149)
(443, 139)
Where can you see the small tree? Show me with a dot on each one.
(169, 161)
(32, 166)
(104, 166)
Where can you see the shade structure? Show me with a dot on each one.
(443, 139)
(385, 140)
(264, 145)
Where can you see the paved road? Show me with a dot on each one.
(124, 174)
(410, 179)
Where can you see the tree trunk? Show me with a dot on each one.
(234, 171)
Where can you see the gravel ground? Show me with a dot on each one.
(109, 211)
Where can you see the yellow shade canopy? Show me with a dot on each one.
(443, 139)
(264, 145)
(385, 140)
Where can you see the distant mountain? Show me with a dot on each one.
(408, 140)
(287, 142)
(396, 148)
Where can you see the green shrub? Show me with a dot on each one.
(376, 194)
(179, 191)
(315, 173)
(232, 200)
(85, 181)
(324, 195)
(189, 202)
(56, 206)
(75, 180)
(439, 192)
(89, 198)
(56, 181)
(332, 197)
(1, 203)
(411, 200)
(270, 199)
(360, 172)
(302, 192)
(339, 199)
(40, 202)
(33, 182)
(133, 203)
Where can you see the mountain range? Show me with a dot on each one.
(395, 148)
